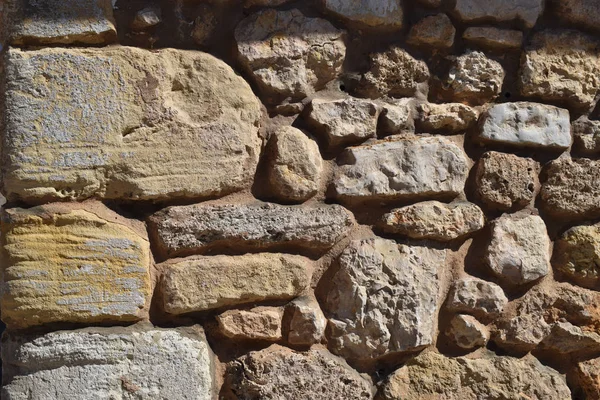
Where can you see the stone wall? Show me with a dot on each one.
(277, 199)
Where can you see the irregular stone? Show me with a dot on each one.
(571, 188)
(295, 165)
(76, 263)
(431, 376)
(307, 322)
(201, 228)
(146, 18)
(526, 124)
(519, 249)
(505, 181)
(383, 299)
(280, 373)
(543, 74)
(433, 31)
(494, 38)
(586, 136)
(126, 123)
(483, 299)
(525, 11)
(447, 118)
(139, 362)
(577, 255)
(587, 377)
(475, 79)
(467, 332)
(259, 323)
(398, 116)
(395, 73)
(344, 121)
(288, 54)
(435, 220)
(401, 168)
(566, 338)
(579, 13)
(62, 22)
(372, 13)
(207, 282)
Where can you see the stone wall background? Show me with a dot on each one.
(268, 199)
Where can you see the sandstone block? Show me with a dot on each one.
(73, 263)
(307, 322)
(446, 118)
(577, 255)
(475, 78)
(259, 323)
(126, 123)
(483, 299)
(433, 31)
(494, 38)
(586, 135)
(467, 332)
(372, 13)
(526, 12)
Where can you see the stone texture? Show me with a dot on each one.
(571, 188)
(446, 118)
(343, 121)
(475, 79)
(74, 263)
(434, 220)
(483, 299)
(519, 249)
(289, 55)
(506, 181)
(526, 124)
(141, 362)
(372, 13)
(397, 117)
(383, 299)
(401, 168)
(277, 373)
(63, 22)
(433, 31)
(578, 13)
(259, 323)
(587, 376)
(146, 18)
(295, 165)
(467, 333)
(126, 123)
(543, 74)
(433, 376)
(494, 38)
(586, 136)
(200, 228)
(526, 12)
(208, 282)
(577, 255)
(307, 322)
(566, 338)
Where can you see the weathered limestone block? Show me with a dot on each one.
(506, 181)
(561, 66)
(401, 168)
(526, 124)
(295, 165)
(278, 373)
(577, 255)
(259, 323)
(579, 13)
(433, 31)
(207, 282)
(435, 220)
(483, 299)
(525, 11)
(586, 135)
(519, 249)
(383, 299)
(446, 118)
(587, 376)
(566, 338)
(307, 322)
(494, 38)
(126, 123)
(56, 22)
(372, 13)
(139, 362)
(288, 54)
(467, 332)
(431, 376)
(398, 116)
(200, 228)
(475, 78)
(76, 263)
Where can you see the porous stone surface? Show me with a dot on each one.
(586, 135)
(432, 375)
(435, 220)
(288, 54)
(295, 165)
(526, 124)
(435, 31)
(475, 79)
(519, 249)
(126, 123)
(254, 225)
(278, 373)
(307, 321)
(140, 362)
(470, 295)
(526, 12)
(587, 375)
(401, 168)
(371, 13)
(259, 323)
(494, 38)
(506, 181)
(577, 255)
(543, 75)
(383, 298)
(467, 332)
(446, 118)
(207, 282)
(73, 263)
